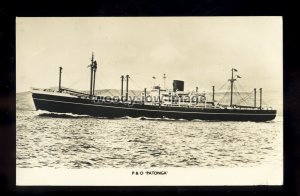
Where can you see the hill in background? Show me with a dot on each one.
(24, 101)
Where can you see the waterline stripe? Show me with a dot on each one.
(148, 109)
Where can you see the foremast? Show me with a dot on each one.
(93, 67)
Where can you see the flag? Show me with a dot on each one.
(234, 69)
(238, 76)
(154, 77)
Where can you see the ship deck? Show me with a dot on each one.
(111, 109)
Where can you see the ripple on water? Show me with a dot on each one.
(86, 142)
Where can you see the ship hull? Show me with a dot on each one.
(75, 105)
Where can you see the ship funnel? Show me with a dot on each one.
(178, 85)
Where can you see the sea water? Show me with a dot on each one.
(71, 141)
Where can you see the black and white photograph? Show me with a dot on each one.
(149, 101)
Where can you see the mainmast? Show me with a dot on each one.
(95, 69)
(93, 66)
(231, 84)
(91, 84)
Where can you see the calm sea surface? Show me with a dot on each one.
(87, 142)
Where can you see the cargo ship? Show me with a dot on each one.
(159, 102)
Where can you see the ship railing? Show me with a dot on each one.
(74, 92)
(243, 107)
(182, 105)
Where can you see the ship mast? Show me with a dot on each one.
(93, 66)
(213, 95)
(91, 84)
(164, 80)
(231, 85)
(255, 97)
(145, 94)
(95, 69)
(122, 80)
(59, 84)
(127, 80)
(260, 98)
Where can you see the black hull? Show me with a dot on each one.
(63, 104)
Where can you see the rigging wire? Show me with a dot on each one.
(225, 95)
(86, 74)
(82, 77)
(237, 92)
(222, 86)
(140, 93)
(240, 86)
(107, 82)
(242, 99)
(263, 101)
(250, 94)
(246, 98)
(130, 79)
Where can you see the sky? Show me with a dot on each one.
(199, 50)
